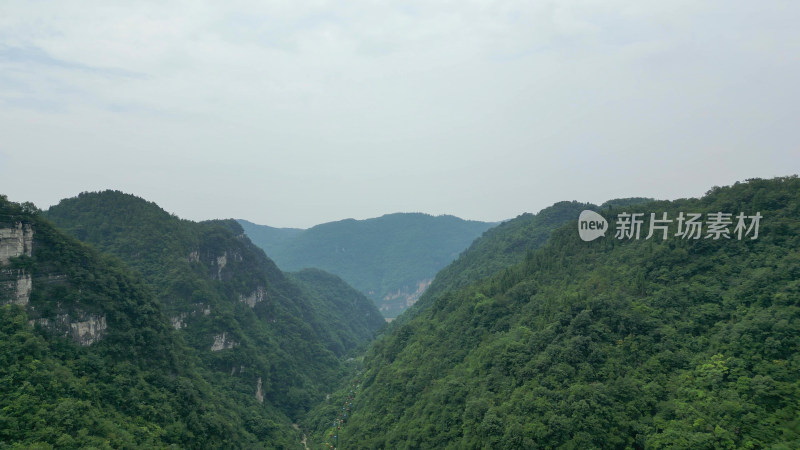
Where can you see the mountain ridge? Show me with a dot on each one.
(386, 257)
(614, 343)
(90, 359)
(251, 324)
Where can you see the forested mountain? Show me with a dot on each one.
(351, 324)
(504, 246)
(88, 358)
(262, 333)
(613, 343)
(500, 247)
(270, 239)
(391, 259)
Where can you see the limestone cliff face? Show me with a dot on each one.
(182, 319)
(16, 285)
(404, 298)
(87, 331)
(222, 342)
(15, 241)
(178, 321)
(222, 261)
(257, 296)
(259, 391)
(215, 260)
(219, 262)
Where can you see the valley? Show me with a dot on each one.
(120, 313)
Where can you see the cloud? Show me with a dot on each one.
(481, 109)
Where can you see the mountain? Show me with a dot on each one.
(89, 359)
(258, 330)
(506, 245)
(270, 239)
(391, 259)
(613, 343)
(501, 247)
(352, 317)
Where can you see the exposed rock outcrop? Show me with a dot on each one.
(178, 321)
(257, 296)
(181, 320)
(84, 332)
(17, 284)
(221, 262)
(405, 295)
(15, 288)
(259, 392)
(221, 342)
(15, 241)
(88, 331)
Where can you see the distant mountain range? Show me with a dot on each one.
(391, 259)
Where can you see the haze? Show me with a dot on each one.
(298, 113)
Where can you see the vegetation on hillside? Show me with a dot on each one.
(504, 246)
(385, 258)
(532, 339)
(212, 280)
(615, 343)
(269, 239)
(350, 324)
(138, 385)
(500, 247)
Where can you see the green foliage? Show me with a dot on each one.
(335, 303)
(385, 258)
(498, 248)
(205, 274)
(269, 239)
(138, 385)
(606, 344)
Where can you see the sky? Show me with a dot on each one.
(294, 113)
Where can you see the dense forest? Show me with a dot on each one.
(214, 282)
(503, 246)
(221, 348)
(130, 381)
(391, 259)
(351, 325)
(162, 332)
(498, 248)
(614, 343)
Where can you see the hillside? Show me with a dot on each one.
(504, 246)
(88, 358)
(391, 259)
(269, 239)
(614, 343)
(338, 303)
(258, 330)
(501, 247)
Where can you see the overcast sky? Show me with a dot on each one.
(294, 113)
